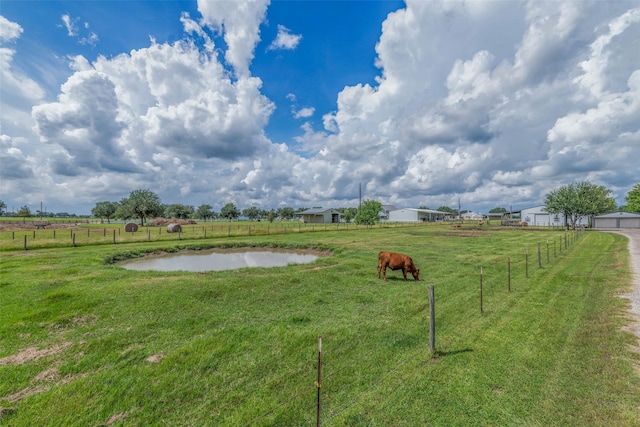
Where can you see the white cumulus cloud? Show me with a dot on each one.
(285, 40)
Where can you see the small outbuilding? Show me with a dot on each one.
(320, 216)
(415, 215)
(617, 220)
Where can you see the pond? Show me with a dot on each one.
(217, 260)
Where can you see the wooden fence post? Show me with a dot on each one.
(319, 381)
(547, 251)
(539, 259)
(481, 310)
(509, 274)
(432, 320)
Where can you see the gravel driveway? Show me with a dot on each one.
(634, 296)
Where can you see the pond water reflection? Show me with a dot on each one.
(216, 260)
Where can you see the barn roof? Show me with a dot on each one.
(423, 210)
(316, 211)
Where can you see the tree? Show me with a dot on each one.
(178, 210)
(24, 212)
(140, 204)
(286, 213)
(498, 210)
(579, 200)
(633, 199)
(348, 214)
(447, 209)
(369, 212)
(204, 212)
(3, 206)
(253, 213)
(105, 210)
(229, 211)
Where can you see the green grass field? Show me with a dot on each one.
(84, 342)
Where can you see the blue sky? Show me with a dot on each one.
(296, 103)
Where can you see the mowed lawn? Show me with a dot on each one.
(84, 342)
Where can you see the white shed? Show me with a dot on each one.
(415, 215)
(320, 216)
(617, 220)
(538, 216)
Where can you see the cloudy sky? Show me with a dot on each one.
(298, 103)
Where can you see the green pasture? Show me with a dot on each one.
(84, 342)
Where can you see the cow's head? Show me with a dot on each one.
(416, 274)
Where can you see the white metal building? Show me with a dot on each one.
(415, 215)
(617, 220)
(538, 216)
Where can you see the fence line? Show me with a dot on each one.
(40, 240)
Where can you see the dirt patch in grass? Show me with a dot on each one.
(32, 353)
(43, 382)
(26, 392)
(156, 358)
(115, 418)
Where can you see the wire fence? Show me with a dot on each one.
(85, 235)
(496, 279)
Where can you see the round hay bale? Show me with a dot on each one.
(130, 227)
(174, 228)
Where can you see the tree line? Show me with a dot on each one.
(576, 201)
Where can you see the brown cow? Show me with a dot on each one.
(396, 261)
